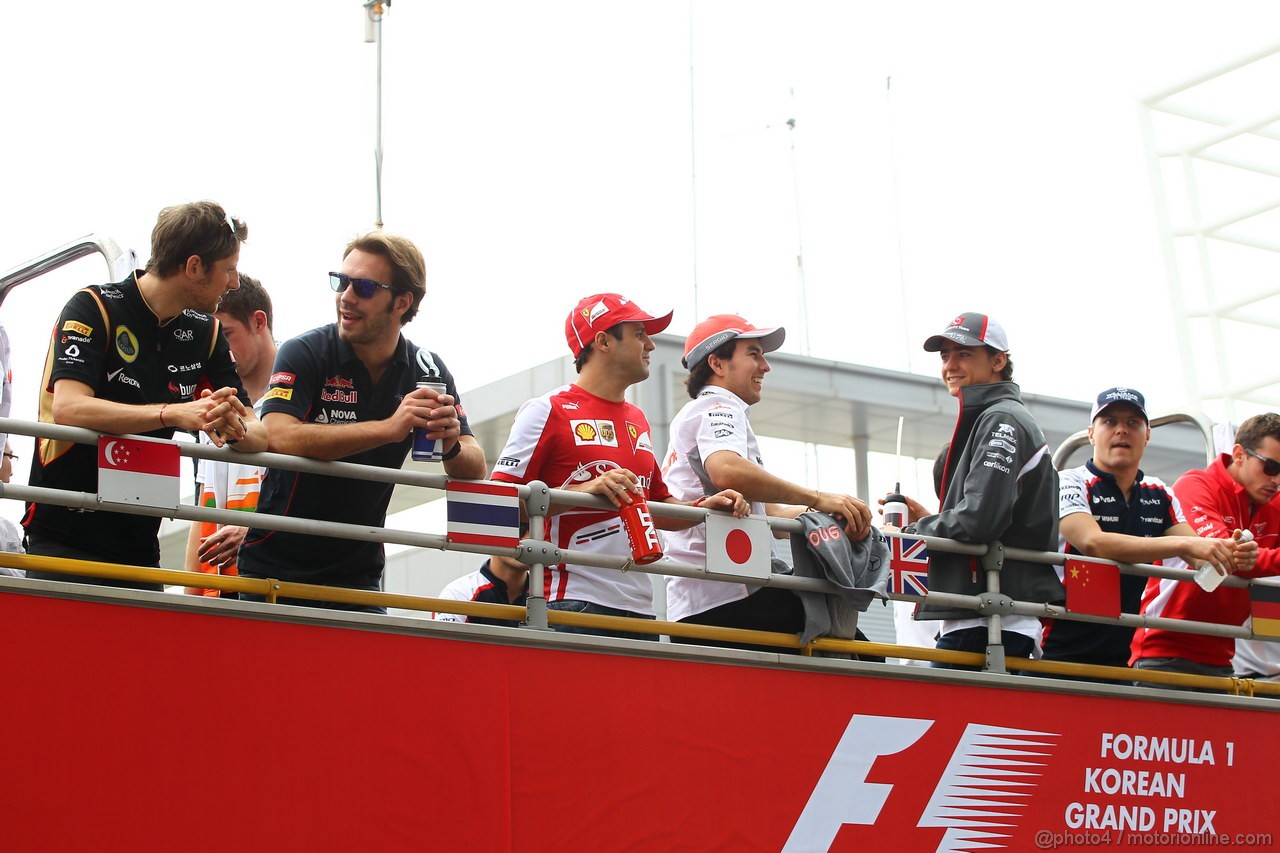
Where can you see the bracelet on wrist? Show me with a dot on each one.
(450, 454)
(163, 406)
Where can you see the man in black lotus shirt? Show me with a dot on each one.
(349, 391)
(143, 356)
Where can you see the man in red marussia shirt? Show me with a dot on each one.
(1237, 492)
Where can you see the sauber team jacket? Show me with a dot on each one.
(999, 484)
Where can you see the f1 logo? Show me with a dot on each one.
(843, 794)
(981, 764)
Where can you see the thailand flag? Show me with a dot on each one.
(139, 471)
(909, 562)
(483, 514)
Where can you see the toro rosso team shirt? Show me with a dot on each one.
(318, 379)
(109, 338)
(571, 436)
(1150, 510)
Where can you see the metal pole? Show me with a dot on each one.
(992, 562)
(374, 10)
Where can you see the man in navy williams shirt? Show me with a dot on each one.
(1109, 508)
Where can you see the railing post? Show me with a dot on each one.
(535, 551)
(992, 562)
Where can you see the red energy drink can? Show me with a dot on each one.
(636, 520)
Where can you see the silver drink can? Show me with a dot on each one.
(428, 449)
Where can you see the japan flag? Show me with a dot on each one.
(738, 546)
(138, 471)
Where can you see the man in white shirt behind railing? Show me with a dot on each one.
(246, 317)
(713, 446)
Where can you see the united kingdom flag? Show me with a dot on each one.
(909, 562)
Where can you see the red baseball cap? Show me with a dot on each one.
(603, 311)
(719, 329)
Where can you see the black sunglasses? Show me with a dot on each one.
(1270, 467)
(364, 287)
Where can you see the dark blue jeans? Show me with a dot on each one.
(40, 546)
(975, 640)
(766, 609)
(574, 606)
(327, 605)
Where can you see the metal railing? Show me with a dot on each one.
(536, 552)
(90, 244)
(1080, 439)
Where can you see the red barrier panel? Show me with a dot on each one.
(138, 729)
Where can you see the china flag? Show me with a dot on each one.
(138, 471)
(1092, 588)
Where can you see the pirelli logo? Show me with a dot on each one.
(78, 328)
(279, 394)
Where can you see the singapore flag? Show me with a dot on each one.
(138, 471)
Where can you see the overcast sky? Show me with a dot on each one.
(945, 157)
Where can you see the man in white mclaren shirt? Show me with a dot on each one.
(713, 447)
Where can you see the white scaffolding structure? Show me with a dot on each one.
(1213, 146)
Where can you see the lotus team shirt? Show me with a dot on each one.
(108, 337)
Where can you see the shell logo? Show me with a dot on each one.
(585, 431)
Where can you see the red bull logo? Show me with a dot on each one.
(339, 396)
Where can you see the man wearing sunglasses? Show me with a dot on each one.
(142, 356)
(349, 391)
(1109, 508)
(1235, 492)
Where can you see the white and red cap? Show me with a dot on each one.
(603, 311)
(719, 329)
(971, 330)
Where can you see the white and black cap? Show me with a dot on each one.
(971, 330)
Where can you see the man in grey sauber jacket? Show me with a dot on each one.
(999, 484)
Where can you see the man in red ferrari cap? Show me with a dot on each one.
(585, 437)
(714, 446)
